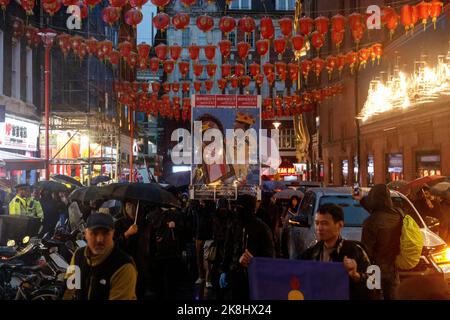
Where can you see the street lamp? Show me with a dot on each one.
(48, 36)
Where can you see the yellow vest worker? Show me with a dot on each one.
(34, 208)
(18, 205)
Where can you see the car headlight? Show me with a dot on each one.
(441, 257)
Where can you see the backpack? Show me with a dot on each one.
(411, 244)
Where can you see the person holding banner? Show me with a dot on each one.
(331, 247)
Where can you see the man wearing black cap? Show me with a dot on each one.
(105, 271)
(18, 205)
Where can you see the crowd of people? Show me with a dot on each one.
(142, 250)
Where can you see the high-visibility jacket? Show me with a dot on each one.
(18, 206)
(34, 208)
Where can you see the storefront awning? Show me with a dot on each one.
(13, 161)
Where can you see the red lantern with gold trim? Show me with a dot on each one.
(355, 19)
(156, 86)
(92, 46)
(51, 6)
(175, 52)
(245, 80)
(225, 48)
(211, 69)
(110, 15)
(65, 44)
(239, 70)
(321, 24)
(243, 49)
(363, 55)
(188, 3)
(318, 64)
(205, 23)
(28, 6)
(194, 52)
(222, 84)
(176, 87)
(377, 51)
(234, 82)
(154, 64)
(268, 68)
(183, 67)
(280, 68)
(114, 57)
(197, 86)
(262, 47)
(352, 59)
(298, 41)
(143, 50)
(390, 19)
(168, 66)
(133, 60)
(210, 52)
(247, 24)
(406, 16)
(116, 3)
(181, 20)
(209, 84)
(133, 17)
(266, 28)
(357, 33)
(198, 69)
(435, 10)
(331, 63)
(337, 37)
(259, 80)
(166, 87)
(317, 40)
(254, 69)
(270, 78)
(226, 70)
(106, 46)
(227, 24)
(30, 34)
(138, 3)
(161, 21)
(285, 26)
(306, 25)
(341, 62)
(280, 46)
(161, 51)
(161, 3)
(306, 66)
(4, 4)
(414, 16)
(293, 69)
(424, 12)
(338, 23)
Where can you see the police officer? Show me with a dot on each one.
(34, 206)
(18, 205)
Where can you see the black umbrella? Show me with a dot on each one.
(442, 189)
(179, 179)
(52, 186)
(150, 192)
(85, 194)
(99, 179)
(66, 179)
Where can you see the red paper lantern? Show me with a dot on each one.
(435, 11)
(30, 34)
(161, 21)
(318, 64)
(424, 12)
(377, 51)
(65, 45)
(51, 6)
(181, 21)
(168, 66)
(142, 63)
(137, 3)
(280, 46)
(161, 51)
(266, 28)
(331, 63)
(337, 37)
(156, 86)
(285, 26)
(143, 50)
(4, 4)
(197, 86)
(91, 3)
(198, 69)
(209, 84)
(133, 17)
(355, 19)
(194, 52)
(254, 69)
(262, 47)
(306, 65)
(243, 49)
(352, 58)
(28, 6)
(183, 66)
(234, 82)
(175, 51)
(321, 24)
(211, 69)
(225, 48)
(83, 10)
(247, 24)
(205, 23)
(390, 19)
(298, 41)
(161, 3)
(268, 69)
(226, 70)
(106, 46)
(176, 87)
(245, 80)
(406, 16)
(259, 80)
(270, 78)
(92, 45)
(133, 60)
(166, 87)
(306, 25)
(110, 15)
(239, 70)
(154, 64)
(414, 15)
(222, 84)
(118, 3)
(188, 3)
(317, 40)
(293, 69)
(280, 68)
(227, 24)
(125, 48)
(82, 51)
(357, 33)
(341, 61)
(114, 57)
(364, 55)
(338, 23)
(210, 52)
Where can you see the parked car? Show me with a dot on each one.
(435, 257)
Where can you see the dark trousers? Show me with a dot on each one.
(166, 278)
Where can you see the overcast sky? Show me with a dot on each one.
(145, 27)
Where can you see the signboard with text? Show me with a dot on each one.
(19, 134)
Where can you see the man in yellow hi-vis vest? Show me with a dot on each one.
(34, 205)
(18, 205)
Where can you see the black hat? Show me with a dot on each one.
(100, 220)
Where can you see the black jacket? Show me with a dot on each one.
(50, 207)
(351, 250)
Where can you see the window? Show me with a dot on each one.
(202, 39)
(285, 5)
(185, 38)
(29, 76)
(354, 213)
(250, 38)
(15, 70)
(287, 138)
(1, 64)
(232, 38)
(241, 5)
(306, 208)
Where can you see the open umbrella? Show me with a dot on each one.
(99, 179)
(66, 179)
(179, 179)
(85, 194)
(150, 192)
(288, 193)
(397, 185)
(52, 186)
(441, 189)
(414, 186)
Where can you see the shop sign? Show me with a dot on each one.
(18, 134)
